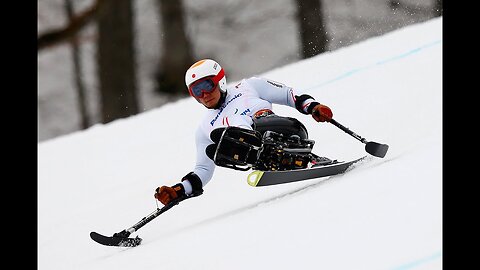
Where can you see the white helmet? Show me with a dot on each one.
(206, 68)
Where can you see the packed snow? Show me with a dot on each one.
(386, 213)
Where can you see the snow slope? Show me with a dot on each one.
(384, 214)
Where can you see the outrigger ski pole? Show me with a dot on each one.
(121, 239)
(373, 148)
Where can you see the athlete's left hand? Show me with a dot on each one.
(322, 113)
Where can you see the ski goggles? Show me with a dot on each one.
(205, 85)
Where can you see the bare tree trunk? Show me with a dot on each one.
(75, 24)
(438, 9)
(176, 56)
(77, 69)
(312, 27)
(116, 60)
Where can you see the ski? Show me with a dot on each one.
(266, 178)
(115, 240)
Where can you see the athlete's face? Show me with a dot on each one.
(210, 100)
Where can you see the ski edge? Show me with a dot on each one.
(254, 177)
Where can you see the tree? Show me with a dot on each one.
(176, 56)
(116, 60)
(313, 34)
(76, 23)
(438, 9)
(77, 69)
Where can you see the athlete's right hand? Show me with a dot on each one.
(166, 194)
